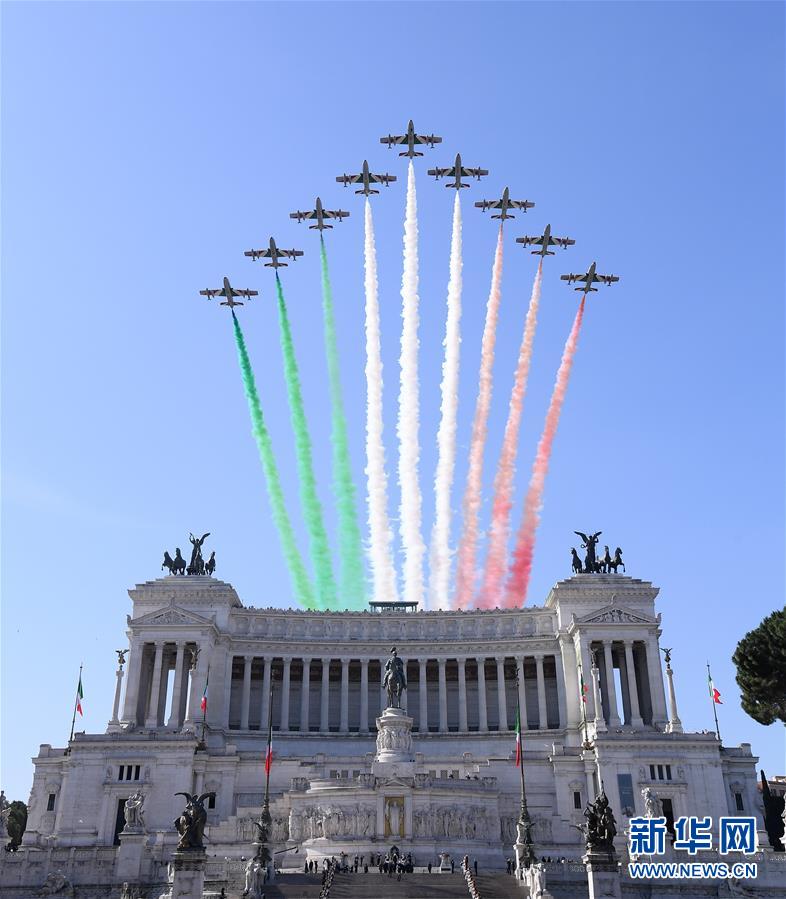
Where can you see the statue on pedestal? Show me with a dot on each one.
(254, 878)
(395, 681)
(601, 828)
(133, 810)
(197, 563)
(651, 803)
(590, 542)
(191, 823)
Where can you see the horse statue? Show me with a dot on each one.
(210, 565)
(604, 562)
(395, 681)
(575, 562)
(176, 565)
(616, 561)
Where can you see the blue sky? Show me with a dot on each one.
(146, 145)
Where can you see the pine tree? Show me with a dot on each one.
(760, 658)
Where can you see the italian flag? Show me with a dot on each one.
(203, 701)
(584, 687)
(714, 694)
(269, 756)
(79, 697)
(518, 739)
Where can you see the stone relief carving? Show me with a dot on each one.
(315, 822)
(453, 822)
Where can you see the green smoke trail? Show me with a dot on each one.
(352, 577)
(304, 589)
(312, 510)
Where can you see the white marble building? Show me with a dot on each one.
(458, 789)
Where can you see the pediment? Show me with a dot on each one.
(172, 615)
(614, 614)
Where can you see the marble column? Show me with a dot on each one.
(245, 703)
(266, 694)
(155, 687)
(443, 697)
(522, 693)
(383, 693)
(195, 678)
(423, 690)
(675, 725)
(559, 673)
(324, 706)
(543, 721)
(608, 661)
(660, 715)
(286, 684)
(114, 723)
(586, 665)
(305, 695)
(364, 696)
(567, 650)
(599, 722)
(502, 701)
(462, 694)
(483, 718)
(175, 719)
(344, 716)
(633, 693)
(131, 702)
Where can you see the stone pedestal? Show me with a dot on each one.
(188, 875)
(603, 874)
(395, 756)
(128, 865)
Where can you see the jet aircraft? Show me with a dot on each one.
(504, 204)
(457, 172)
(545, 241)
(411, 139)
(366, 178)
(590, 278)
(230, 293)
(274, 254)
(320, 214)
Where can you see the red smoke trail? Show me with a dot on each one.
(521, 567)
(496, 558)
(467, 551)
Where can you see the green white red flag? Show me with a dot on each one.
(269, 756)
(203, 702)
(584, 687)
(714, 693)
(518, 739)
(79, 696)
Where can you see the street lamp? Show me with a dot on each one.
(523, 847)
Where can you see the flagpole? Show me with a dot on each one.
(712, 700)
(204, 709)
(524, 817)
(583, 699)
(76, 703)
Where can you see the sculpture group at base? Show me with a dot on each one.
(190, 824)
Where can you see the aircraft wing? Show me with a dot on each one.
(349, 179)
(245, 292)
(572, 278)
(427, 139)
(393, 139)
(303, 215)
(474, 173)
(531, 240)
(334, 214)
(209, 293)
(522, 204)
(380, 179)
(290, 254)
(257, 254)
(562, 242)
(485, 204)
(442, 173)
(607, 279)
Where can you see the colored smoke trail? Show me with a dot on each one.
(304, 590)
(352, 578)
(312, 510)
(409, 407)
(467, 552)
(496, 559)
(521, 567)
(439, 554)
(381, 537)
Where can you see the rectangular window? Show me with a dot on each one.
(660, 772)
(211, 801)
(652, 772)
(50, 803)
(577, 799)
(668, 772)
(625, 786)
(738, 801)
(121, 772)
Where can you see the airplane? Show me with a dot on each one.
(229, 292)
(589, 279)
(274, 254)
(504, 205)
(457, 172)
(320, 215)
(366, 178)
(545, 241)
(411, 140)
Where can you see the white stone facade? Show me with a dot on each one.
(447, 785)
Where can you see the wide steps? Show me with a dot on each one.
(380, 886)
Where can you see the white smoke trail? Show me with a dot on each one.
(381, 538)
(439, 581)
(409, 407)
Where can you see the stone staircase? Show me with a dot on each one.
(380, 886)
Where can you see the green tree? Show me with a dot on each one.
(760, 658)
(17, 822)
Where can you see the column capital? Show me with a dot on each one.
(422, 662)
(248, 658)
(287, 663)
(442, 662)
(345, 661)
(499, 659)
(306, 661)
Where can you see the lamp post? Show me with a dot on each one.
(262, 855)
